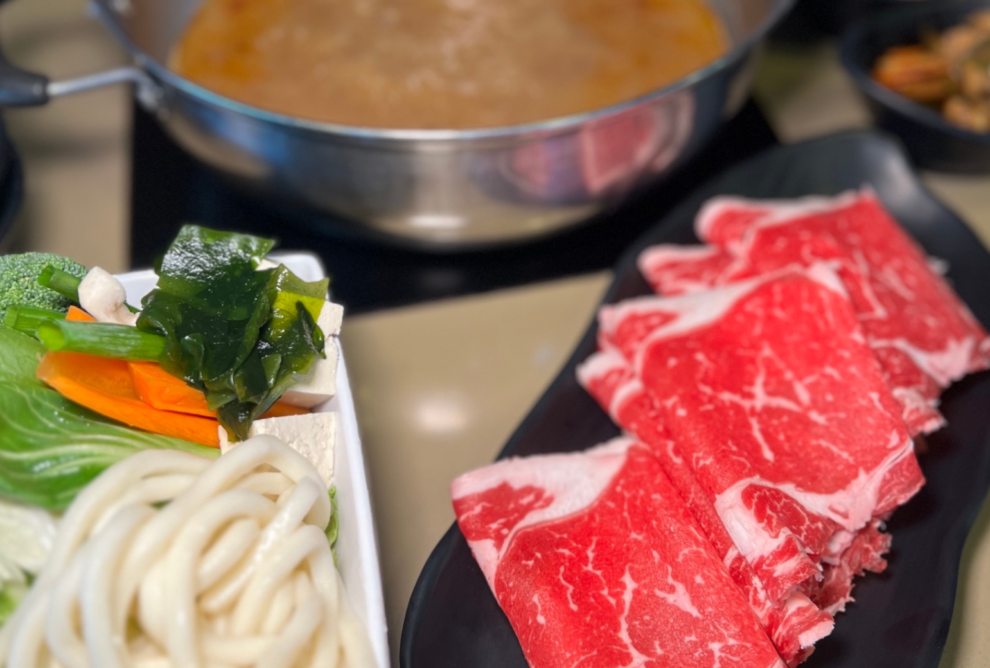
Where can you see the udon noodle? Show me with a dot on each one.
(168, 559)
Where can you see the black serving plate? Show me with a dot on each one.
(932, 142)
(900, 618)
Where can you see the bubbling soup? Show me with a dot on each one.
(443, 63)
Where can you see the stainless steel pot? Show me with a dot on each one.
(440, 187)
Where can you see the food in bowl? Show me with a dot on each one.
(949, 71)
(451, 64)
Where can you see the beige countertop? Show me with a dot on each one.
(439, 388)
(75, 149)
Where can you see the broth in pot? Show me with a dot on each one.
(452, 64)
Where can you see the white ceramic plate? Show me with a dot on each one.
(357, 550)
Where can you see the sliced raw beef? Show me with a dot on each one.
(794, 624)
(865, 553)
(922, 334)
(598, 563)
(778, 406)
(674, 270)
(805, 616)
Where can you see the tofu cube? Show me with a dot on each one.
(331, 316)
(313, 436)
(321, 384)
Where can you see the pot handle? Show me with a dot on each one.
(19, 88)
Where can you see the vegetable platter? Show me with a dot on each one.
(181, 483)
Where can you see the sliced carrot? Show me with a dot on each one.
(76, 314)
(282, 410)
(160, 389)
(155, 386)
(106, 386)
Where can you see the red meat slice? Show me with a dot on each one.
(805, 617)
(865, 553)
(598, 563)
(794, 624)
(922, 334)
(676, 270)
(779, 408)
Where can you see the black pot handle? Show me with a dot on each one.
(19, 88)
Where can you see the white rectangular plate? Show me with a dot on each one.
(357, 550)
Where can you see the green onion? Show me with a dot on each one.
(26, 318)
(61, 282)
(102, 339)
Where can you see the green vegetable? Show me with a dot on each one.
(19, 280)
(333, 528)
(230, 329)
(61, 282)
(101, 339)
(11, 595)
(50, 448)
(26, 319)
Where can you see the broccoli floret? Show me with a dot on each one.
(19, 281)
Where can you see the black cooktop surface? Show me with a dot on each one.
(170, 188)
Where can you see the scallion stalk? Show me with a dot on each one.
(26, 318)
(102, 339)
(61, 282)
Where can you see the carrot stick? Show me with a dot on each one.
(76, 314)
(280, 409)
(106, 386)
(155, 386)
(160, 389)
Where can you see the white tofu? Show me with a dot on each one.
(225, 444)
(330, 319)
(313, 436)
(321, 384)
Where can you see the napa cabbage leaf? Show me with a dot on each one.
(50, 448)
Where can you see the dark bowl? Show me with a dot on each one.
(931, 142)
(815, 19)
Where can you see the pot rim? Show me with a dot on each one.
(552, 126)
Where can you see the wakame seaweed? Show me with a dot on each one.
(241, 334)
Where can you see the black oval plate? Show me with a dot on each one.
(900, 618)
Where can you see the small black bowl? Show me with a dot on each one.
(816, 19)
(931, 142)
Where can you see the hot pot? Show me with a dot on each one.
(437, 187)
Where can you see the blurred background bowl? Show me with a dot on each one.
(822, 18)
(931, 141)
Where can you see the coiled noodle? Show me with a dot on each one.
(168, 559)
